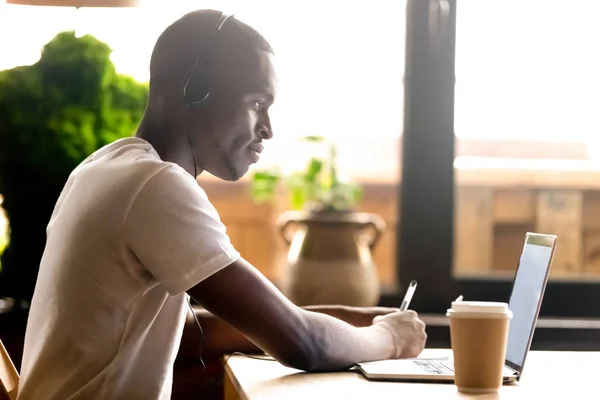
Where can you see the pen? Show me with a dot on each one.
(408, 296)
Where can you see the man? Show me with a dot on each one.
(132, 234)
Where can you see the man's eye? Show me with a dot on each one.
(258, 104)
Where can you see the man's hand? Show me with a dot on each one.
(407, 330)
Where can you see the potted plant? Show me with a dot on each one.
(330, 242)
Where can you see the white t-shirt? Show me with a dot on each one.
(129, 235)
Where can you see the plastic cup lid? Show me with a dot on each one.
(485, 307)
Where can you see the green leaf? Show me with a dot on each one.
(313, 169)
(333, 179)
(297, 198)
(313, 138)
(263, 185)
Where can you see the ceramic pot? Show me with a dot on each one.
(329, 259)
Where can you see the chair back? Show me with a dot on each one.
(9, 376)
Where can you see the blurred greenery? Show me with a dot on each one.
(316, 187)
(53, 114)
(3, 240)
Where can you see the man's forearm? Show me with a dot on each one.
(338, 345)
(220, 338)
(357, 316)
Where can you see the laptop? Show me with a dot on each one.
(525, 301)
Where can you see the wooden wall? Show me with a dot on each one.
(490, 221)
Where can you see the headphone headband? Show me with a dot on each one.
(222, 19)
(196, 88)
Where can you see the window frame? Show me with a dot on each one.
(426, 208)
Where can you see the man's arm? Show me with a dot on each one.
(219, 338)
(242, 297)
(185, 242)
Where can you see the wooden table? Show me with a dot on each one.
(547, 374)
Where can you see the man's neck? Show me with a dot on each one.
(170, 145)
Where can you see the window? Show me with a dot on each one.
(527, 70)
(535, 85)
(500, 99)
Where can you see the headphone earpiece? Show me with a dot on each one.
(196, 89)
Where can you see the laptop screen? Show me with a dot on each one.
(526, 296)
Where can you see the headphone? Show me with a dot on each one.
(195, 87)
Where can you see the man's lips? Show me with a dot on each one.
(257, 147)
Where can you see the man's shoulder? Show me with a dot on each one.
(128, 160)
(122, 150)
(173, 182)
(127, 167)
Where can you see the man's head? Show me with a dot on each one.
(227, 130)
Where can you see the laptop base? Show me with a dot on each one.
(409, 370)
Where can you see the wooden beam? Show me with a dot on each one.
(473, 230)
(559, 212)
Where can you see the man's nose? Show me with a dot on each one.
(265, 130)
(265, 133)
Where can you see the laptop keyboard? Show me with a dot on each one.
(437, 367)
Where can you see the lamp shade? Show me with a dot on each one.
(77, 3)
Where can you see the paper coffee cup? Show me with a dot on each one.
(478, 335)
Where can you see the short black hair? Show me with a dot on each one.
(189, 35)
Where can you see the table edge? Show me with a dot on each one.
(234, 381)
